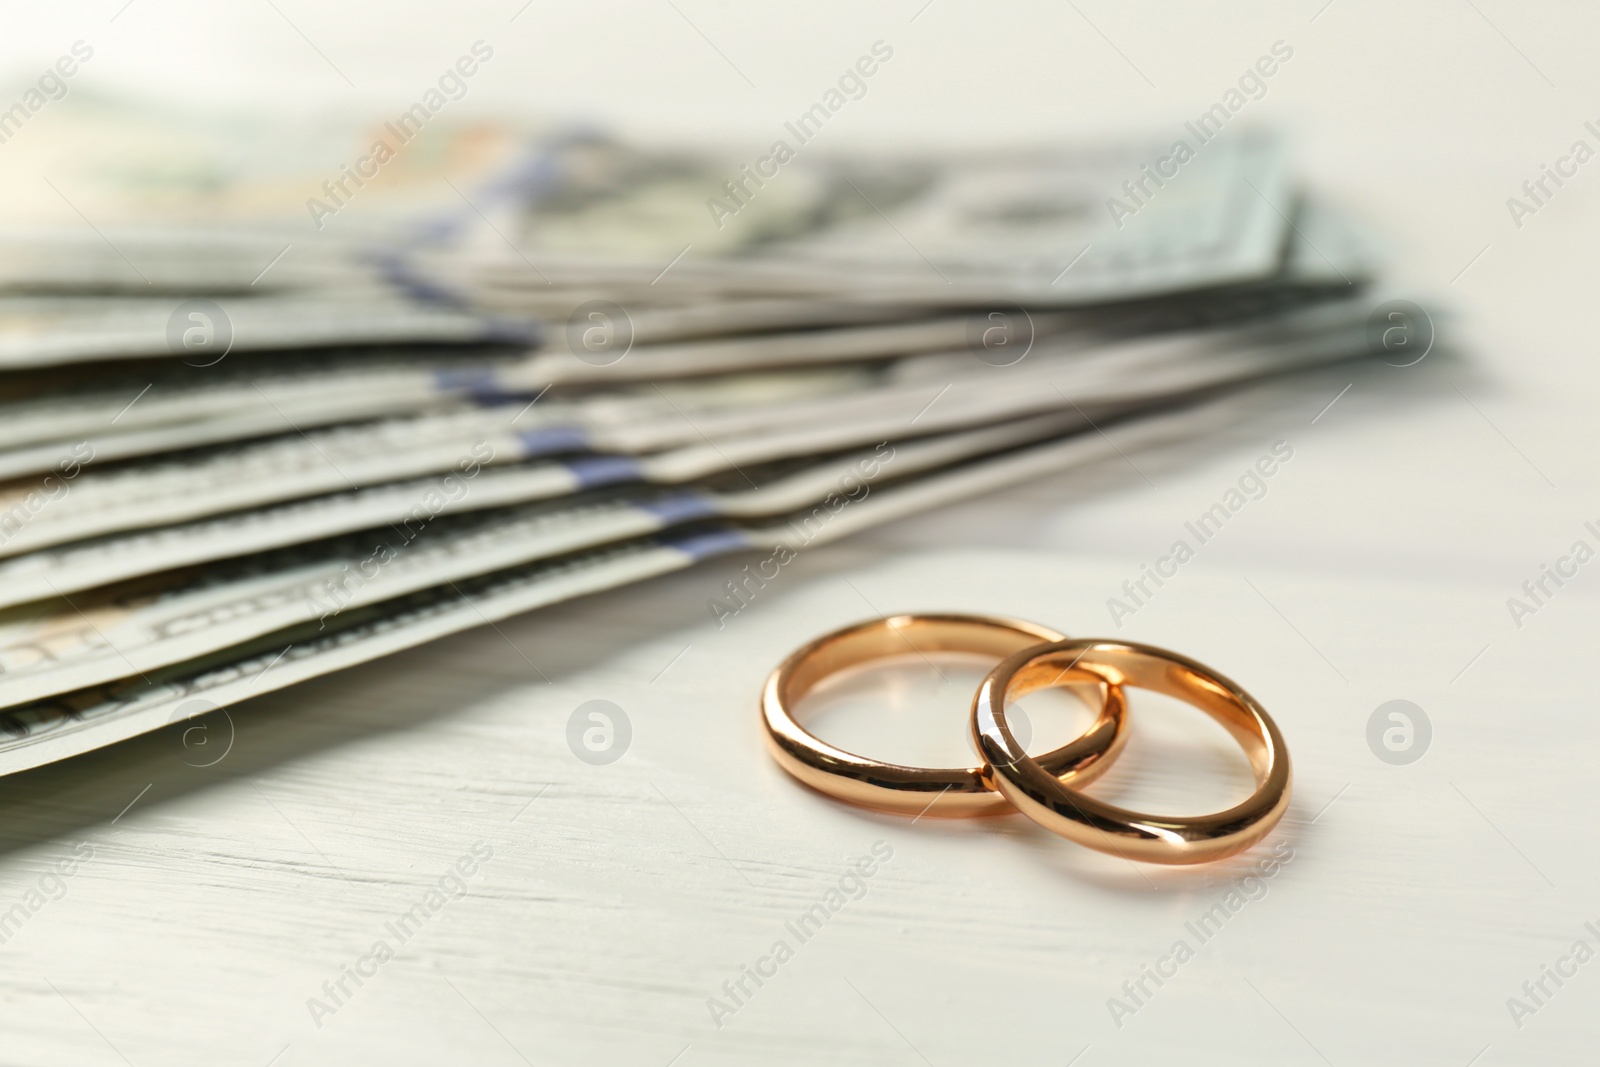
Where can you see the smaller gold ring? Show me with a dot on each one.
(936, 791)
(1151, 838)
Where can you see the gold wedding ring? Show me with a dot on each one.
(1034, 790)
(934, 791)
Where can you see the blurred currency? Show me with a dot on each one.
(260, 420)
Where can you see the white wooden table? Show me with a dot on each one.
(211, 913)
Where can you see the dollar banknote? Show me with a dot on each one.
(69, 642)
(97, 715)
(50, 330)
(658, 439)
(97, 562)
(272, 421)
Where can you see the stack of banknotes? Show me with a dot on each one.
(245, 446)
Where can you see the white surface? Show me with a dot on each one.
(622, 897)
(619, 900)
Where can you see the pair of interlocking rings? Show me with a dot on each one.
(1045, 787)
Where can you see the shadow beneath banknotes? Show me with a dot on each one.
(92, 791)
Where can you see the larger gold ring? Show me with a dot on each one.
(938, 791)
(1152, 838)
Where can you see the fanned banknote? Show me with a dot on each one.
(100, 714)
(285, 408)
